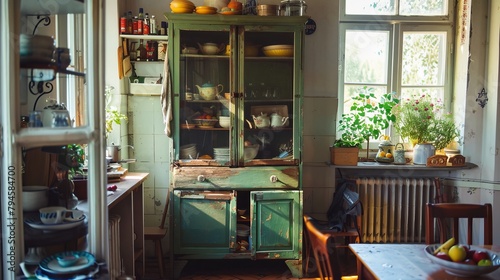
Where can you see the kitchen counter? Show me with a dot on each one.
(127, 203)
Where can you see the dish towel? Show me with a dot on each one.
(166, 95)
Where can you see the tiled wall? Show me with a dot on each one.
(151, 147)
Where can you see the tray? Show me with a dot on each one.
(282, 110)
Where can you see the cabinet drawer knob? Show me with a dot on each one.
(273, 179)
(201, 178)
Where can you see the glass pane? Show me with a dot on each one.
(370, 7)
(423, 8)
(204, 77)
(352, 90)
(268, 95)
(424, 58)
(436, 93)
(366, 56)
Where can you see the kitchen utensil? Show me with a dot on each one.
(52, 215)
(278, 50)
(292, 8)
(209, 91)
(113, 151)
(267, 10)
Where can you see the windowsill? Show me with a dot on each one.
(376, 165)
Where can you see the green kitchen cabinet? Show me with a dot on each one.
(236, 98)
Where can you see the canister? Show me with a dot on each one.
(292, 8)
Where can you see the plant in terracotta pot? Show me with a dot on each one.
(421, 120)
(368, 117)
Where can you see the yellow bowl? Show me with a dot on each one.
(278, 50)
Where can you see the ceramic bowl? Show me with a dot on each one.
(251, 152)
(35, 197)
(67, 260)
(242, 212)
(209, 48)
(460, 269)
(224, 121)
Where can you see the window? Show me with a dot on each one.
(395, 46)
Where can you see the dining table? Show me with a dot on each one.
(404, 261)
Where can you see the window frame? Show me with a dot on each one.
(396, 25)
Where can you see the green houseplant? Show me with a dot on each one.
(421, 119)
(113, 116)
(367, 118)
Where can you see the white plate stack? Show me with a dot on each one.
(188, 152)
(36, 49)
(221, 154)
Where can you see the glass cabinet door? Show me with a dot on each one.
(237, 88)
(204, 103)
(268, 84)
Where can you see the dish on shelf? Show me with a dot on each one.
(278, 50)
(205, 123)
(230, 12)
(188, 126)
(205, 10)
(35, 222)
(182, 10)
(51, 264)
(189, 50)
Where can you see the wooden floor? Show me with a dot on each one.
(242, 269)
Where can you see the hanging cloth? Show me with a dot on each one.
(166, 95)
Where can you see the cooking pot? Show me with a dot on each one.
(114, 153)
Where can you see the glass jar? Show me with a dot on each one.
(292, 8)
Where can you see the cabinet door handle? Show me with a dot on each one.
(201, 178)
(273, 178)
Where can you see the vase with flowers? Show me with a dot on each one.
(421, 120)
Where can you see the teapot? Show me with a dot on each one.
(261, 121)
(209, 91)
(278, 121)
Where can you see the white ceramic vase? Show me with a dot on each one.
(421, 152)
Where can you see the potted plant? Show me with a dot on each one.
(113, 116)
(368, 117)
(421, 120)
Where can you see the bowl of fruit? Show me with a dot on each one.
(463, 260)
(206, 122)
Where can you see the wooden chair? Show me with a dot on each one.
(156, 234)
(444, 212)
(325, 253)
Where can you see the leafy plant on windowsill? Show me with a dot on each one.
(70, 160)
(368, 117)
(113, 116)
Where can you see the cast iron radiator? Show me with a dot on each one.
(394, 209)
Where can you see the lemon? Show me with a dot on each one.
(388, 155)
(381, 154)
(457, 253)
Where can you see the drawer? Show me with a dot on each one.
(269, 177)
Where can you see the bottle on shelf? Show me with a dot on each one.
(141, 52)
(140, 21)
(130, 24)
(146, 25)
(135, 26)
(152, 25)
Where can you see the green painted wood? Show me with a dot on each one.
(203, 221)
(236, 178)
(275, 229)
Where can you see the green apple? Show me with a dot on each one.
(484, 262)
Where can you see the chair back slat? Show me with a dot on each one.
(324, 251)
(456, 211)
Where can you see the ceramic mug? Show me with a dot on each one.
(58, 214)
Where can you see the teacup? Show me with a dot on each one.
(52, 215)
(57, 214)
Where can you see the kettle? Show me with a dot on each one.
(209, 91)
(261, 121)
(399, 154)
(278, 121)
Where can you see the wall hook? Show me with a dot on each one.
(482, 98)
